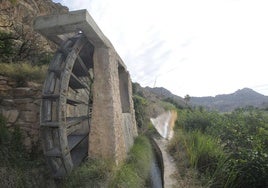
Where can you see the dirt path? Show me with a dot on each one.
(172, 177)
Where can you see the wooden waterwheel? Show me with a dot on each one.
(67, 105)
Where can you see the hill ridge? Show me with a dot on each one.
(227, 102)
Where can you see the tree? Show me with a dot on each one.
(187, 99)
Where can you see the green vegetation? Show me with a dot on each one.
(6, 45)
(139, 105)
(13, 1)
(228, 150)
(18, 167)
(174, 102)
(167, 106)
(133, 173)
(93, 172)
(20, 44)
(21, 168)
(23, 72)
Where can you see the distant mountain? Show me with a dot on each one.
(224, 103)
(228, 102)
(166, 95)
(154, 97)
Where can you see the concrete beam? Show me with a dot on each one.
(59, 27)
(55, 27)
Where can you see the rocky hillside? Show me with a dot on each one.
(18, 40)
(224, 103)
(155, 98)
(164, 94)
(228, 102)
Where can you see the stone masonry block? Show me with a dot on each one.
(11, 115)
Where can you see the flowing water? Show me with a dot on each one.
(156, 174)
(157, 167)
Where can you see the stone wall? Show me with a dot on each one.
(20, 106)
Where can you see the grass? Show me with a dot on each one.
(177, 147)
(135, 172)
(194, 150)
(204, 151)
(93, 173)
(228, 150)
(103, 173)
(19, 168)
(23, 72)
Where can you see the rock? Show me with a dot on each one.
(11, 115)
(23, 101)
(30, 106)
(22, 92)
(3, 82)
(3, 77)
(12, 83)
(22, 13)
(4, 88)
(27, 142)
(7, 102)
(28, 116)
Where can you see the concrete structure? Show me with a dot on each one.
(87, 91)
(164, 124)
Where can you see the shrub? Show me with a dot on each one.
(23, 72)
(6, 46)
(140, 114)
(191, 120)
(243, 136)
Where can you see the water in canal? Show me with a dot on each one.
(156, 172)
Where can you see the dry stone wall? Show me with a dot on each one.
(20, 106)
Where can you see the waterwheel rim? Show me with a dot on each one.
(66, 105)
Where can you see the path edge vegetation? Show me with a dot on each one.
(226, 150)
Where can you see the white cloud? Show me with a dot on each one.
(190, 47)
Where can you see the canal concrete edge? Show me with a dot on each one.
(169, 167)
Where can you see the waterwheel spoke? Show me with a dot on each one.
(76, 83)
(80, 68)
(67, 106)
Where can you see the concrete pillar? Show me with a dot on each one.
(106, 136)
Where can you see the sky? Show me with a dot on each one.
(195, 47)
